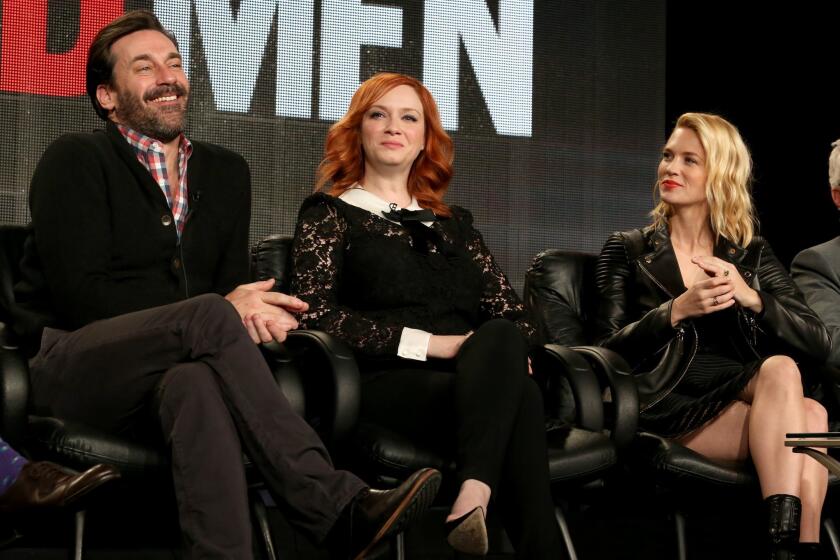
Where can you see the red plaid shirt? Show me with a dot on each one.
(150, 153)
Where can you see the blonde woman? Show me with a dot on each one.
(712, 325)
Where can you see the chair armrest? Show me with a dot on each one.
(14, 390)
(559, 371)
(318, 374)
(613, 372)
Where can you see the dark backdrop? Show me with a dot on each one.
(583, 167)
(769, 70)
(773, 72)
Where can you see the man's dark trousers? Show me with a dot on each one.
(218, 398)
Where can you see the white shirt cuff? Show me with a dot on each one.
(414, 344)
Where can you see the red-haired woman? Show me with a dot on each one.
(440, 335)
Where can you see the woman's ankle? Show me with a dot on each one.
(473, 494)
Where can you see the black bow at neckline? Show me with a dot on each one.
(402, 216)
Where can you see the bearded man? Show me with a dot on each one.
(135, 300)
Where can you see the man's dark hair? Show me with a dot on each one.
(100, 62)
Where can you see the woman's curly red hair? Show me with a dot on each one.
(344, 162)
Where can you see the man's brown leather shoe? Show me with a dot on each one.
(374, 515)
(47, 485)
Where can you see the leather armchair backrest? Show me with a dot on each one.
(14, 375)
(271, 258)
(561, 296)
(12, 239)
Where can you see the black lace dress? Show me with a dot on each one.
(366, 277)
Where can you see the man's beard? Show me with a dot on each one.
(144, 119)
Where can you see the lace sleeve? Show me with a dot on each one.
(317, 255)
(498, 298)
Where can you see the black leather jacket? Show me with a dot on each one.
(638, 278)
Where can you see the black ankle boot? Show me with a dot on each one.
(783, 515)
(809, 551)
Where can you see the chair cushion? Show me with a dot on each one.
(390, 454)
(80, 446)
(578, 456)
(11, 250)
(574, 455)
(679, 466)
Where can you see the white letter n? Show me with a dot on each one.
(503, 59)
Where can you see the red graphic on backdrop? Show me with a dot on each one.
(25, 64)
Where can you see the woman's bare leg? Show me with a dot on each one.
(725, 438)
(814, 477)
(774, 405)
(778, 407)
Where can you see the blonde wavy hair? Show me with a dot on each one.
(729, 182)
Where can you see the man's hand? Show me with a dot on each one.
(267, 315)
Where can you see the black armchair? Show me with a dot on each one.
(68, 443)
(561, 294)
(580, 453)
(321, 396)
(328, 395)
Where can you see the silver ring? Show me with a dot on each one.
(714, 300)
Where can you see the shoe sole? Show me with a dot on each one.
(95, 477)
(470, 537)
(73, 500)
(416, 501)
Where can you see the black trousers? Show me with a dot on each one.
(485, 409)
(218, 398)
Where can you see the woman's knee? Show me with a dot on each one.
(501, 330)
(494, 360)
(531, 395)
(500, 338)
(780, 374)
(816, 416)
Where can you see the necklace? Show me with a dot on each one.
(391, 205)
